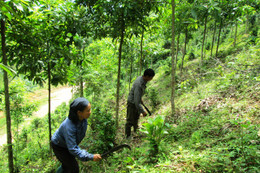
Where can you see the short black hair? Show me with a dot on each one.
(79, 104)
(149, 72)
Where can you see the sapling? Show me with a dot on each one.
(156, 131)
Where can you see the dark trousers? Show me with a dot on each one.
(131, 119)
(68, 161)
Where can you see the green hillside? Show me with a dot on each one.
(215, 126)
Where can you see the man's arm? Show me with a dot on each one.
(138, 100)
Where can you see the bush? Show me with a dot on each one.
(103, 129)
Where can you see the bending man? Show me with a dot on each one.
(134, 101)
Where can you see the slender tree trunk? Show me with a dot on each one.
(130, 77)
(220, 26)
(118, 74)
(213, 39)
(178, 47)
(141, 57)
(81, 86)
(81, 80)
(204, 35)
(247, 24)
(235, 39)
(184, 51)
(7, 102)
(49, 102)
(173, 64)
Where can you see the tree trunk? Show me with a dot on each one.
(178, 47)
(184, 51)
(204, 35)
(247, 24)
(213, 39)
(49, 102)
(235, 39)
(81, 79)
(130, 77)
(7, 102)
(118, 73)
(141, 57)
(173, 64)
(81, 87)
(220, 26)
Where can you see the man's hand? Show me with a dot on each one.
(97, 157)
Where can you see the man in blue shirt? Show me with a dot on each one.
(71, 132)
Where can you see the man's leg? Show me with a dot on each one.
(136, 119)
(129, 123)
(131, 118)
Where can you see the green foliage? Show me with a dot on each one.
(155, 129)
(153, 96)
(103, 131)
(217, 104)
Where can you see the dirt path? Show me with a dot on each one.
(57, 98)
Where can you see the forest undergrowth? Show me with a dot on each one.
(217, 126)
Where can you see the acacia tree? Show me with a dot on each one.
(173, 61)
(7, 13)
(40, 51)
(206, 10)
(116, 18)
(7, 100)
(186, 24)
(78, 24)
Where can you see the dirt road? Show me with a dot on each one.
(57, 97)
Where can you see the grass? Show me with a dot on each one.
(217, 130)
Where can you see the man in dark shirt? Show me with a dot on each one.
(134, 101)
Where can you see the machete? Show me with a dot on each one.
(147, 109)
(106, 154)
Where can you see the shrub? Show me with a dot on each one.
(103, 130)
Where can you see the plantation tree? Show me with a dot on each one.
(216, 15)
(7, 100)
(99, 75)
(120, 16)
(205, 13)
(241, 10)
(223, 18)
(7, 13)
(185, 23)
(235, 16)
(173, 71)
(178, 31)
(41, 51)
(132, 49)
(79, 24)
(205, 10)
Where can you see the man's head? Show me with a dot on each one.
(148, 75)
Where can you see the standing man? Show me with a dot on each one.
(134, 101)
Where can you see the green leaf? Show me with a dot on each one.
(7, 69)
(69, 35)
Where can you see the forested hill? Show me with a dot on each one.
(204, 98)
